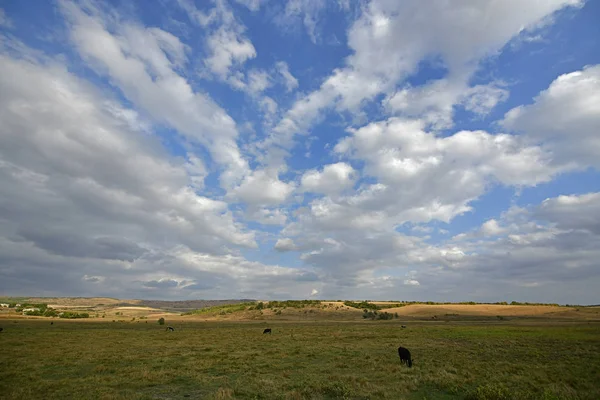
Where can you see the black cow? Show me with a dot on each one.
(405, 356)
(52, 323)
(1, 329)
(403, 326)
(170, 329)
(268, 330)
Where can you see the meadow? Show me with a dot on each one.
(75, 359)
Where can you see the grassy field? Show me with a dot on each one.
(305, 359)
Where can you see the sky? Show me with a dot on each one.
(383, 149)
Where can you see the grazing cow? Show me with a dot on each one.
(403, 326)
(52, 323)
(405, 356)
(268, 330)
(170, 329)
(1, 329)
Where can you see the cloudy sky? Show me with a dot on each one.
(412, 150)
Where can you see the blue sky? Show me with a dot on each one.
(300, 149)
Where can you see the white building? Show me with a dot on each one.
(4, 305)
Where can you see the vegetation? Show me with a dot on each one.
(293, 303)
(222, 309)
(73, 315)
(161, 321)
(362, 305)
(313, 360)
(365, 305)
(375, 315)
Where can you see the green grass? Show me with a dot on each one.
(313, 360)
(224, 309)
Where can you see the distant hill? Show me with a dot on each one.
(182, 305)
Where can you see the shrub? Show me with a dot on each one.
(362, 304)
(161, 321)
(73, 315)
(50, 313)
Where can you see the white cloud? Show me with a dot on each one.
(285, 244)
(306, 12)
(263, 187)
(252, 5)
(227, 50)
(390, 39)
(94, 205)
(289, 80)
(423, 177)
(167, 97)
(4, 20)
(228, 47)
(572, 211)
(268, 216)
(564, 118)
(258, 81)
(491, 228)
(333, 179)
(481, 99)
(434, 102)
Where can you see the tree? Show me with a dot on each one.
(161, 321)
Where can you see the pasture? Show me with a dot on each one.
(300, 360)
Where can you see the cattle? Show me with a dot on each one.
(404, 356)
(1, 329)
(170, 329)
(403, 326)
(52, 323)
(268, 330)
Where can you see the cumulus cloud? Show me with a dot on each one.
(423, 177)
(388, 42)
(133, 179)
(564, 118)
(136, 60)
(263, 188)
(268, 216)
(572, 211)
(89, 198)
(285, 244)
(333, 179)
(491, 228)
(227, 46)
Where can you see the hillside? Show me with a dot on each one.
(306, 310)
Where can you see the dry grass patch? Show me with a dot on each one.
(425, 310)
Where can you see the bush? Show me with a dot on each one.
(363, 304)
(379, 316)
(161, 321)
(293, 303)
(50, 313)
(73, 315)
